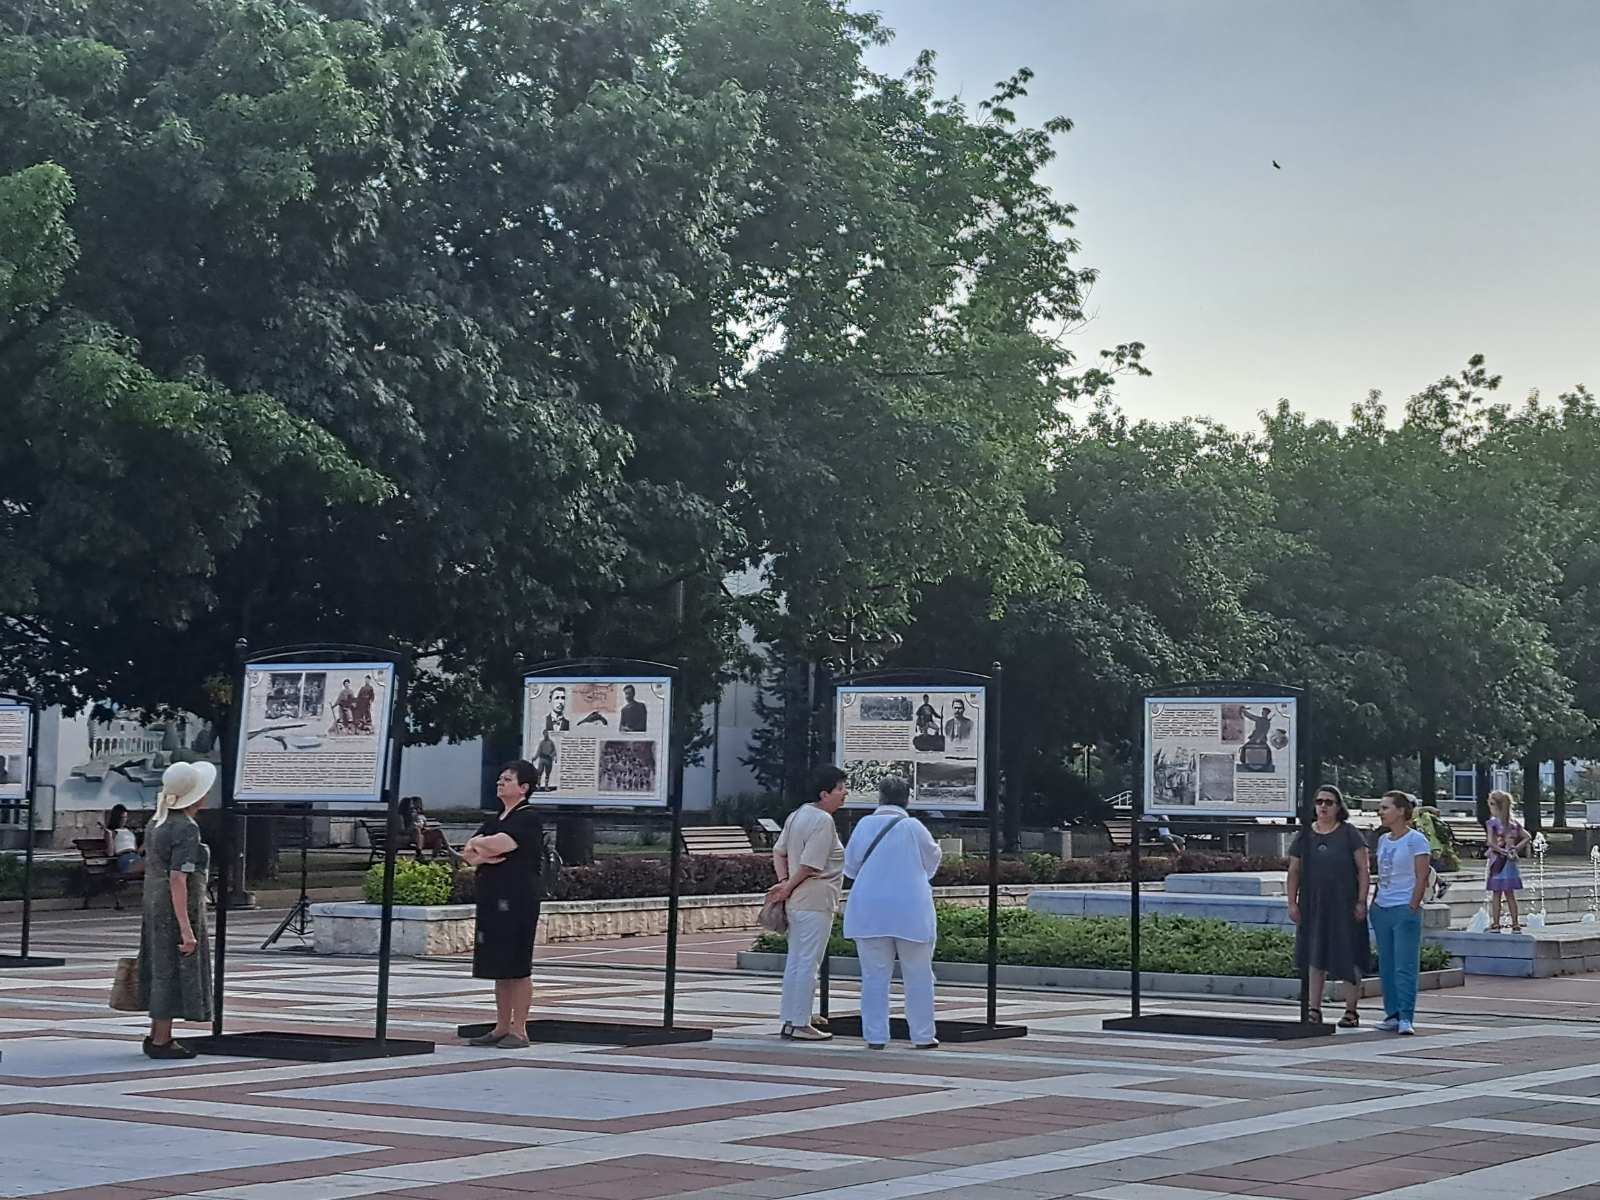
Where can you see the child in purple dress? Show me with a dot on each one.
(1507, 839)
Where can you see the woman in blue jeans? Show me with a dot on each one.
(1396, 911)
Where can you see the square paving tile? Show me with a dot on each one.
(84, 1152)
(56, 1058)
(553, 1092)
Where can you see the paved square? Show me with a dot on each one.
(1498, 1097)
(546, 1092)
(44, 1153)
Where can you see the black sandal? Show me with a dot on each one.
(1314, 1015)
(1350, 1020)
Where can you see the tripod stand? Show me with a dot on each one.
(298, 920)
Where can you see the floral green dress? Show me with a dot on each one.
(173, 985)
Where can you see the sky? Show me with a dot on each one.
(1439, 193)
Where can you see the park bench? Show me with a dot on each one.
(716, 839)
(1119, 832)
(1468, 836)
(768, 830)
(378, 842)
(99, 871)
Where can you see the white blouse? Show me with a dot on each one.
(891, 895)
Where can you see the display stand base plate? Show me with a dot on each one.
(306, 1047)
(1199, 1025)
(599, 1033)
(17, 962)
(849, 1025)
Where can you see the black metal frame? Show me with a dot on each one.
(1306, 772)
(616, 1033)
(23, 958)
(307, 1046)
(912, 679)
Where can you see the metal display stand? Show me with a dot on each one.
(311, 1047)
(621, 1033)
(24, 958)
(298, 920)
(913, 679)
(1200, 1024)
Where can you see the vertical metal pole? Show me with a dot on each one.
(392, 795)
(1308, 769)
(233, 722)
(827, 739)
(304, 903)
(675, 801)
(32, 769)
(995, 798)
(1133, 907)
(1133, 863)
(386, 928)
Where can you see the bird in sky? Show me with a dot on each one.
(1275, 164)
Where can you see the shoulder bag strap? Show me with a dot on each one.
(882, 833)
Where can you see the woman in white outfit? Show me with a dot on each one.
(809, 863)
(891, 858)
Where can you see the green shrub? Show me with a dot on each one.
(1179, 945)
(49, 878)
(415, 883)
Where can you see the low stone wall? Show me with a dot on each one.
(420, 931)
(1086, 979)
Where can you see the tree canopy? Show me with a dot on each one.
(481, 330)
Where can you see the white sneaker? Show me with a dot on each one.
(1389, 1024)
(1405, 1028)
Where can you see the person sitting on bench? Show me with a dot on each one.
(1156, 829)
(122, 847)
(421, 834)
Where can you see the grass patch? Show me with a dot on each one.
(1179, 945)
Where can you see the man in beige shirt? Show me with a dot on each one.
(808, 860)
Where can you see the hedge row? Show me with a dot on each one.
(1180, 945)
(747, 874)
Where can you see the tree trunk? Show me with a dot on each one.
(1427, 773)
(261, 849)
(575, 840)
(1560, 792)
(1532, 808)
(1014, 780)
(1388, 773)
(1482, 785)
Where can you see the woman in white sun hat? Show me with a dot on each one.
(174, 955)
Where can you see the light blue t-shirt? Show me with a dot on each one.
(1397, 877)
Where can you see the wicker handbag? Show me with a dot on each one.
(125, 986)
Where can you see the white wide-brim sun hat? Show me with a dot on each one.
(185, 784)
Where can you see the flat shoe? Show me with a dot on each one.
(875, 1046)
(486, 1039)
(804, 1033)
(933, 1045)
(513, 1041)
(172, 1049)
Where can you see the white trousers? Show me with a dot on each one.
(877, 955)
(808, 938)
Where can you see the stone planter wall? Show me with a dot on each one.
(420, 931)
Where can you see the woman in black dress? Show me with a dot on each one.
(1329, 878)
(506, 851)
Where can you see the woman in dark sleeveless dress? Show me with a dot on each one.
(1329, 878)
(505, 852)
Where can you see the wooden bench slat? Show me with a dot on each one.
(716, 839)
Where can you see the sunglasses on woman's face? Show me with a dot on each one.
(1326, 802)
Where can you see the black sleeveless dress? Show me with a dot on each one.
(508, 898)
